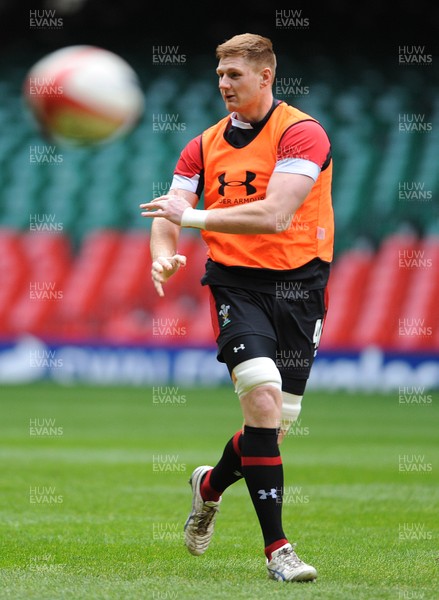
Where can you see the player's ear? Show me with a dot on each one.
(266, 77)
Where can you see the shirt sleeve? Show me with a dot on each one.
(189, 169)
(304, 149)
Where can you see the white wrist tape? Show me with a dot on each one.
(192, 217)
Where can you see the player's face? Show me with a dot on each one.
(239, 84)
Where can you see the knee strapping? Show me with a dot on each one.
(255, 372)
(291, 407)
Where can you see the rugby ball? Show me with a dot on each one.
(83, 95)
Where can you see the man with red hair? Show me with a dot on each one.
(266, 172)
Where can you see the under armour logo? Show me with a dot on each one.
(241, 347)
(249, 189)
(263, 494)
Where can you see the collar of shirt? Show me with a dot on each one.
(239, 134)
(240, 124)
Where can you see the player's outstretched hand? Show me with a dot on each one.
(162, 269)
(169, 207)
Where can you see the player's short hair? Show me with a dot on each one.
(250, 46)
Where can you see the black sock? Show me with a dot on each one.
(261, 465)
(226, 472)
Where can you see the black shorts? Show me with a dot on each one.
(287, 328)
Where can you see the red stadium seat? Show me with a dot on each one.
(131, 327)
(81, 308)
(384, 295)
(172, 320)
(106, 292)
(14, 274)
(127, 279)
(347, 282)
(48, 259)
(130, 299)
(200, 331)
(419, 317)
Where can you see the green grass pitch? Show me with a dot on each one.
(94, 496)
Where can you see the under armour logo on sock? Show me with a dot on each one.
(236, 348)
(263, 494)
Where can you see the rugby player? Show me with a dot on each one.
(266, 173)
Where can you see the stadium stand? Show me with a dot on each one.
(385, 298)
(74, 259)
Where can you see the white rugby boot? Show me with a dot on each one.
(285, 565)
(199, 526)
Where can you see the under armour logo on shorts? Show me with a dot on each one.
(236, 348)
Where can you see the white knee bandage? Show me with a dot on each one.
(291, 406)
(254, 372)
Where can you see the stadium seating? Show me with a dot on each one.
(346, 289)
(101, 188)
(47, 258)
(103, 290)
(419, 316)
(90, 279)
(383, 294)
(13, 273)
